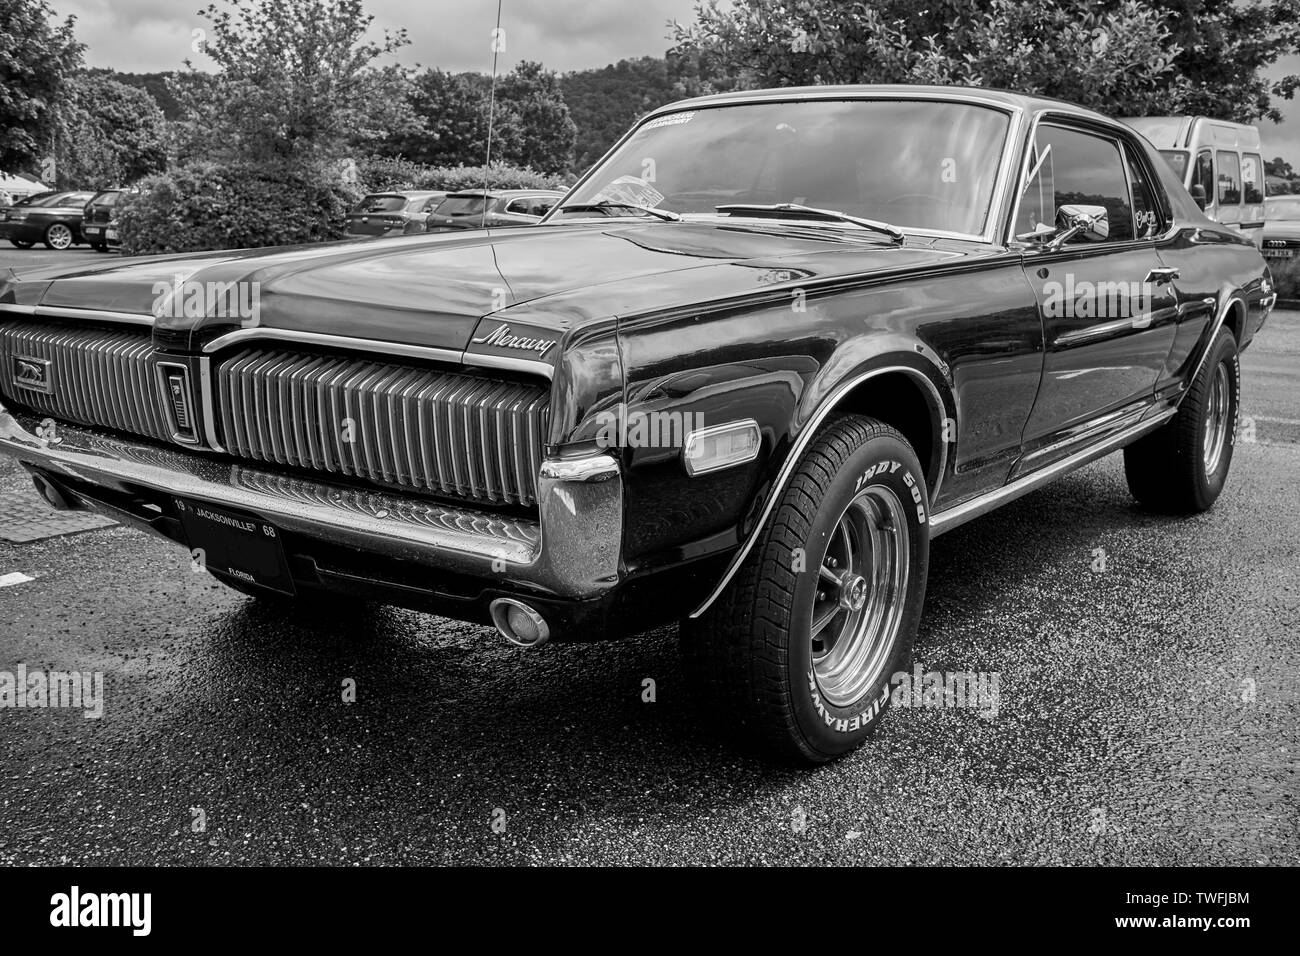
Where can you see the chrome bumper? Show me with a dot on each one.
(572, 552)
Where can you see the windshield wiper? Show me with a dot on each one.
(796, 211)
(663, 214)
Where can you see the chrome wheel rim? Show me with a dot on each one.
(60, 236)
(858, 608)
(1216, 419)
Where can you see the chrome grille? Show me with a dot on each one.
(441, 432)
(97, 376)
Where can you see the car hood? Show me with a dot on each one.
(433, 291)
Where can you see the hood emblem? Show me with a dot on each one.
(501, 338)
(32, 373)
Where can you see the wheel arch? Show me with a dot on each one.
(871, 387)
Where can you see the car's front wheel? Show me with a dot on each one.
(57, 236)
(798, 652)
(1182, 467)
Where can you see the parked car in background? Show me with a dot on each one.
(1281, 237)
(393, 213)
(1219, 163)
(52, 218)
(489, 208)
(97, 223)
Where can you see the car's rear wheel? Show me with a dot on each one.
(22, 243)
(798, 652)
(1182, 467)
(57, 236)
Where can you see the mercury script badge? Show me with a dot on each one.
(502, 338)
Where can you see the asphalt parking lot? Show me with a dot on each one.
(1149, 711)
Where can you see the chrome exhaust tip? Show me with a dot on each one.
(518, 623)
(55, 496)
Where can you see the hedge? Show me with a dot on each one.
(206, 205)
(382, 175)
(1286, 277)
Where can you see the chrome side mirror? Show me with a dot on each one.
(1090, 222)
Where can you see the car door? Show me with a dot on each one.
(1106, 305)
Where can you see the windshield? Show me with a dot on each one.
(1282, 209)
(381, 204)
(1177, 160)
(108, 198)
(920, 164)
(461, 205)
(60, 199)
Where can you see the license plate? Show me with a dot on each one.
(240, 545)
(110, 234)
(1279, 253)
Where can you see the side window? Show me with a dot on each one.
(1204, 175)
(517, 206)
(1147, 220)
(543, 205)
(1083, 169)
(1251, 179)
(1229, 179)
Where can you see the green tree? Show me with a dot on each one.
(295, 81)
(452, 109)
(1119, 56)
(36, 59)
(108, 133)
(1278, 167)
(547, 131)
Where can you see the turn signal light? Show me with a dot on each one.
(722, 446)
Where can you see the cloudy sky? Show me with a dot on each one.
(146, 35)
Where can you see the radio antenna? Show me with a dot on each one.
(492, 102)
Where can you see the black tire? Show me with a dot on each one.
(99, 246)
(1171, 471)
(22, 243)
(59, 235)
(752, 654)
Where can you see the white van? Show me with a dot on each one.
(1223, 159)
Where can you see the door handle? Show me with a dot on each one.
(1161, 276)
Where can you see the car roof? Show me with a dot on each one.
(407, 193)
(1004, 99)
(503, 193)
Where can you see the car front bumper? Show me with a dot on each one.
(408, 550)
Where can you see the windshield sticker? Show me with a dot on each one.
(672, 119)
(629, 189)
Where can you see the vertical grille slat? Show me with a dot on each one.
(100, 376)
(442, 432)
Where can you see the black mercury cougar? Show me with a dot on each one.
(739, 377)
